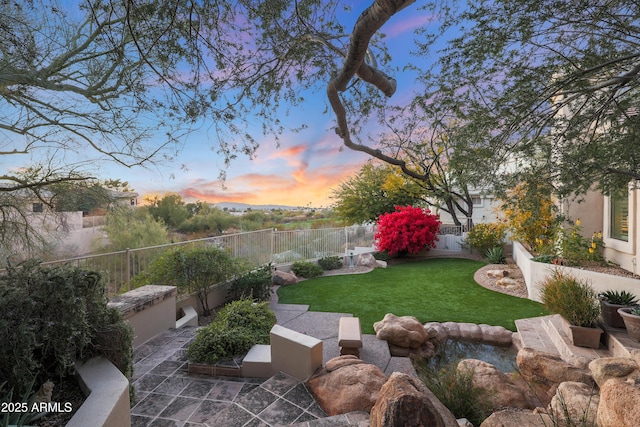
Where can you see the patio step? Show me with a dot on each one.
(257, 362)
(533, 335)
(578, 356)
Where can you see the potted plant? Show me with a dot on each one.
(611, 301)
(577, 303)
(631, 318)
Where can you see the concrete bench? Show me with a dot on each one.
(293, 353)
(349, 336)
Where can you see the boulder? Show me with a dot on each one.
(605, 368)
(517, 418)
(497, 274)
(367, 260)
(405, 331)
(619, 403)
(404, 401)
(346, 384)
(282, 278)
(574, 404)
(470, 331)
(425, 351)
(540, 367)
(496, 335)
(501, 392)
(507, 282)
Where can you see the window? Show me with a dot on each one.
(619, 218)
(38, 207)
(477, 200)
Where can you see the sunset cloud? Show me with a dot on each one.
(407, 24)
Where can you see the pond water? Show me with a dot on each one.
(452, 351)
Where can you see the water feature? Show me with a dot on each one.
(451, 351)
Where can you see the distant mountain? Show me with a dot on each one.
(246, 206)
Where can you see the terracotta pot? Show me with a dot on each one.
(585, 337)
(610, 314)
(632, 322)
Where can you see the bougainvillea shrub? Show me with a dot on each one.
(407, 230)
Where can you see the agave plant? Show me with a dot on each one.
(496, 255)
(619, 297)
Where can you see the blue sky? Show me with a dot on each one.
(301, 172)
(306, 166)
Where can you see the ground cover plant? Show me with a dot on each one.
(438, 290)
(238, 326)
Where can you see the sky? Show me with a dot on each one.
(303, 171)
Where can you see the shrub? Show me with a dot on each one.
(484, 237)
(306, 269)
(254, 285)
(52, 317)
(496, 255)
(407, 230)
(191, 269)
(575, 249)
(238, 326)
(331, 262)
(571, 298)
(382, 255)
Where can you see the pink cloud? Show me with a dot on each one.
(407, 24)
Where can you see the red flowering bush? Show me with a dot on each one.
(408, 229)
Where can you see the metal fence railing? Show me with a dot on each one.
(256, 247)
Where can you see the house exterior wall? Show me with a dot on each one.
(483, 212)
(618, 251)
(589, 209)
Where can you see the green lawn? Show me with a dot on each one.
(440, 290)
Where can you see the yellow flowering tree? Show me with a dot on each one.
(531, 215)
(485, 236)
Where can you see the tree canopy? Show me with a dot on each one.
(376, 189)
(550, 85)
(553, 84)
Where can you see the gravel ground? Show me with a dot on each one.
(65, 390)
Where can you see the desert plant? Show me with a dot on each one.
(618, 297)
(573, 299)
(496, 255)
(330, 262)
(256, 284)
(485, 236)
(238, 326)
(306, 269)
(546, 259)
(407, 230)
(455, 389)
(635, 310)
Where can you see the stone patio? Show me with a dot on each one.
(166, 395)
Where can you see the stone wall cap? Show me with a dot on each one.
(141, 298)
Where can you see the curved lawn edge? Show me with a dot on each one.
(433, 290)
